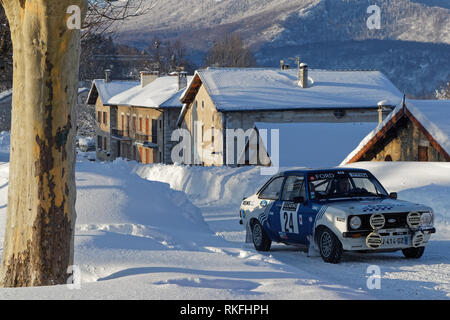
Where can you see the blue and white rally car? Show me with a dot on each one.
(335, 210)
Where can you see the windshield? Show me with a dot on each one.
(335, 185)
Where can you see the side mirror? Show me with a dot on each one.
(393, 195)
(299, 200)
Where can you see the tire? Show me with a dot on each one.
(413, 253)
(260, 239)
(329, 246)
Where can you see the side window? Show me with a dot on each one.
(294, 187)
(272, 190)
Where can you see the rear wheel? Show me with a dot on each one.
(330, 246)
(413, 253)
(260, 240)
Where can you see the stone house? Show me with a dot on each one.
(417, 130)
(5, 110)
(102, 90)
(221, 99)
(142, 119)
(6, 106)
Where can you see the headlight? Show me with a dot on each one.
(355, 223)
(426, 219)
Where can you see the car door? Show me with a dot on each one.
(292, 206)
(269, 198)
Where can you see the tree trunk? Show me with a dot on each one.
(39, 237)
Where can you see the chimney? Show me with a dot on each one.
(108, 75)
(283, 65)
(382, 107)
(182, 80)
(148, 77)
(304, 75)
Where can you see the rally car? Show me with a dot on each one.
(333, 211)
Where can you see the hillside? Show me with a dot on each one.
(313, 29)
(289, 22)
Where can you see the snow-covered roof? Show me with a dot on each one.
(107, 90)
(8, 93)
(162, 92)
(315, 145)
(235, 89)
(5, 94)
(433, 115)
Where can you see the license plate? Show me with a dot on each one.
(392, 241)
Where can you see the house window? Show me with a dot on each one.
(128, 124)
(99, 117)
(140, 124)
(123, 122)
(104, 143)
(388, 158)
(212, 138)
(134, 123)
(147, 155)
(147, 126)
(154, 131)
(203, 105)
(104, 118)
(99, 142)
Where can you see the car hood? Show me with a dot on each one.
(376, 206)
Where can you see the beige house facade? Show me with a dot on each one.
(138, 121)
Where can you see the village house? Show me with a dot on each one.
(417, 130)
(5, 110)
(146, 117)
(6, 106)
(102, 90)
(220, 99)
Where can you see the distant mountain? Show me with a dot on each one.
(313, 28)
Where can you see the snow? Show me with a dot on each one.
(107, 90)
(434, 115)
(316, 144)
(5, 94)
(234, 89)
(162, 92)
(172, 232)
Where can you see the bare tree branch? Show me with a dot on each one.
(102, 14)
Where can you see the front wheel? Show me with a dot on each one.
(329, 245)
(260, 239)
(413, 253)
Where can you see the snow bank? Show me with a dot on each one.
(111, 193)
(207, 185)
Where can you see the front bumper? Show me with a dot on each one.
(387, 239)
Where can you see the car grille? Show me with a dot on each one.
(393, 220)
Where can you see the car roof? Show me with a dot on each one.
(309, 170)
